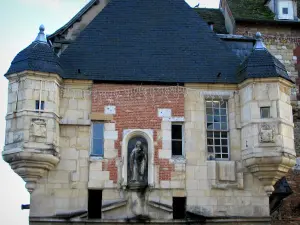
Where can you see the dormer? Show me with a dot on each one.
(283, 9)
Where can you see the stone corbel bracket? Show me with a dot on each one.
(225, 174)
(31, 166)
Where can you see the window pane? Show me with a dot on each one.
(224, 119)
(210, 126)
(265, 112)
(224, 141)
(217, 126)
(210, 134)
(224, 150)
(224, 126)
(210, 141)
(210, 149)
(97, 147)
(209, 111)
(216, 111)
(42, 105)
(217, 142)
(218, 150)
(208, 104)
(37, 104)
(176, 147)
(209, 118)
(223, 105)
(217, 134)
(225, 156)
(223, 112)
(224, 134)
(98, 130)
(285, 11)
(176, 131)
(216, 104)
(218, 156)
(217, 118)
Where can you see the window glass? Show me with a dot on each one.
(217, 129)
(98, 139)
(264, 112)
(177, 139)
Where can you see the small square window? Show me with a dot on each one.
(264, 112)
(177, 139)
(285, 11)
(39, 105)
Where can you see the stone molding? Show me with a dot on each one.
(225, 174)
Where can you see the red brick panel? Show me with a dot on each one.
(136, 108)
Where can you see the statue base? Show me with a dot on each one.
(137, 186)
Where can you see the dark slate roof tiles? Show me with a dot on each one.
(261, 64)
(155, 41)
(36, 57)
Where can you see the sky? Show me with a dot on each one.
(20, 20)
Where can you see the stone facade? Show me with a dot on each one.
(212, 188)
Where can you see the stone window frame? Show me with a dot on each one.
(213, 130)
(92, 155)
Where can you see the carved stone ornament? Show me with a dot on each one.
(137, 168)
(38, 128)
(266, 134)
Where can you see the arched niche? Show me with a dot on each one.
(136, 134)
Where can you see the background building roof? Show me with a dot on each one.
(215, 16)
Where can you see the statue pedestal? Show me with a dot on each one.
(137, 186)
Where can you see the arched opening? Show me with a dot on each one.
(130, 137)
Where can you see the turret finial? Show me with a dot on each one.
(259, 45)
(41, 35)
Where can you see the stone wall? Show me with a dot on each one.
(287, 51)
(64, 188)
(219, 188)
(281, 45)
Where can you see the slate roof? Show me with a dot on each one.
(250, 9)
(261, 64)
(37, 56)
(215, 16)
(149, 41)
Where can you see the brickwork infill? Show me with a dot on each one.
(138, 110)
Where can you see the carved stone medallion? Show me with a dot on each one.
(38, 127)
(266, 134)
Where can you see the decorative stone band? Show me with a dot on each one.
(31, 166)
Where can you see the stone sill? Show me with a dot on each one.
(95, 158)
(178, 160)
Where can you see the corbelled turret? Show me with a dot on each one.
(32, 128)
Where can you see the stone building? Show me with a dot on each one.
(136, 111)
(279, 21)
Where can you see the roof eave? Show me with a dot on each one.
(74, 19)
(263, 21)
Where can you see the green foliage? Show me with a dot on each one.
(250, 9)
